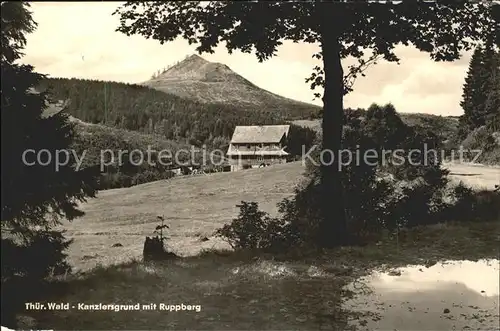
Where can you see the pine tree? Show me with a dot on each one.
(33, 194)
(492, 102)
(474, 94)
(480, 89)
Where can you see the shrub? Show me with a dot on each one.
(254, 229)
(302, 213)
(485, 140)
(354, 117)
(220, 143)
(476, 138)
(151, 175)
(468, 205)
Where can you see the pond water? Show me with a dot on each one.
(454, 295)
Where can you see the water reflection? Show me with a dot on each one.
(459, 295)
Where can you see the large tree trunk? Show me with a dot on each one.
(333, 228)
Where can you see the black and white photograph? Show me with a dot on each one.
(250, 165)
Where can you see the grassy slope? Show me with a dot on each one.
(194, 206)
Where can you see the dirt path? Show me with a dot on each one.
(475, 175)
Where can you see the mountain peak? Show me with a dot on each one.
(192, 61)
(196, 68)
(213, 82)
(195, 57)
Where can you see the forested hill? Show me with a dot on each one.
(140, 108)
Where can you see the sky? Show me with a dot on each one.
(78, 39)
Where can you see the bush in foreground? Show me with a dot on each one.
(254, 229)
(297, 225)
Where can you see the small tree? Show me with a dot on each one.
(159, 228)
(384, 126)
(154, 248)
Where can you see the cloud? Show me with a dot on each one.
(79, 40)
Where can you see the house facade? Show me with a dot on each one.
(258, 146)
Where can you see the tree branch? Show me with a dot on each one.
(316, 79)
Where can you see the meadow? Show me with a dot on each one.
(194, 207)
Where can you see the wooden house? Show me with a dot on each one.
(258, 146)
